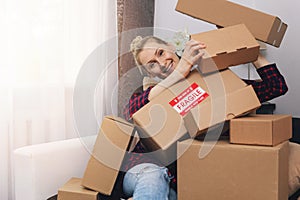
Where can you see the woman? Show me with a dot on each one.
(146, 178)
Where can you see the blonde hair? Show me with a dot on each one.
(137, 46)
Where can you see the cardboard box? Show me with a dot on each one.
(161, 125)
(264, 27)
(231, 171)
(115, 138)
(230, 97)
(261, 129)
(73, 190)
(230, 46)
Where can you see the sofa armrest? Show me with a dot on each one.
(40, 170)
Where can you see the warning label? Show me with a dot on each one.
(188, 99)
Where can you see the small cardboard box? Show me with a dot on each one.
(161, 125)
(261, 129)
(230, 46)
(264, 27)
(73, 190)
(115, 138)
(232, 171)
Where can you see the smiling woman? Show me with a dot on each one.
(43, 45)
(158, 59)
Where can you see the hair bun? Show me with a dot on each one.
(135, 43)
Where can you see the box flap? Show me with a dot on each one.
(118, 119)
(73, 190)
(279, 28)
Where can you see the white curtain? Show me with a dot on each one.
(44, 44)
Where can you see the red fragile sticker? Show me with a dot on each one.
(188, 99)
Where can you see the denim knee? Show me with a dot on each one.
(155, 172)
(147, 181)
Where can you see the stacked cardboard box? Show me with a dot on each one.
(232, 171)
(253, 165)
(73, 190)
(263, 129)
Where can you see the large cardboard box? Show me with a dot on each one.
(73, 190)
(261, 129)
(232, 171)
(230, 46)
(116, 137)
(264, 27)
(161, 125)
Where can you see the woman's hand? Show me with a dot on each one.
(191, 56)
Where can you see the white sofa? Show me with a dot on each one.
(43, 168)
(40, 170)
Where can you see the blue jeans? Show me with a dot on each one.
(148, 181)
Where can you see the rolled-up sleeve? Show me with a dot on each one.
(271, 85)
(136, 101)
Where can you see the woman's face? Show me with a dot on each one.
(159, 60)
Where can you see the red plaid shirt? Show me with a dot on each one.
(271, 85)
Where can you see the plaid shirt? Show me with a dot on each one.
(271, 85)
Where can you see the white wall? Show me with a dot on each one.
(287, 56)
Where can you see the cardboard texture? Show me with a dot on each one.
(161, 126)
(114, 139)
(73, 190)
(261, 129)
(264, 27)
(231, 171)
(230, 46)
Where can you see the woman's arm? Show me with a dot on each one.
(136, 101)
(272, 83)
(260, 62)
